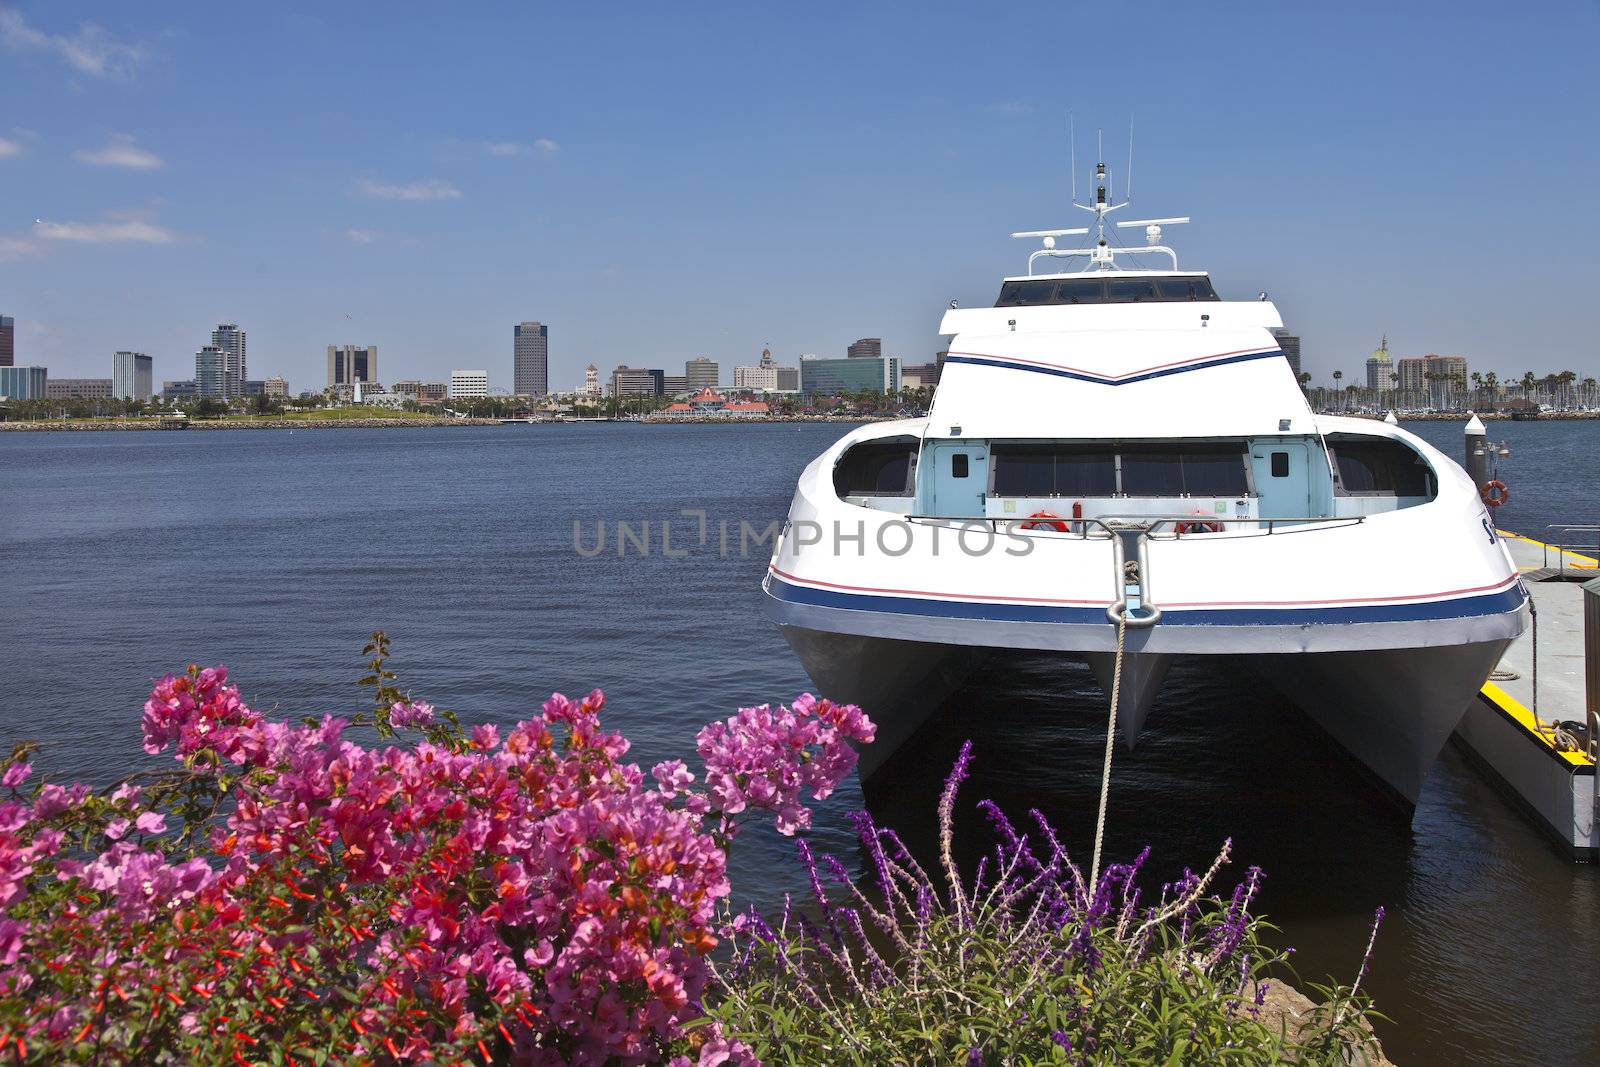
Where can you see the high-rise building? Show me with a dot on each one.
(674, 384)
(788, 379)
(78, 389)
(865, 348)
(1432, 373)
(349, 364)
(24, 383)
(829, 376)
(230, 339)
(210, 372)
(1290, 346)
(702, 373)
(1380, 366)
(469, 384)
(132, 376)
(8, 341)
(181, 390)
(1413, 372)
(275, 386)
(530, 370)
(919, 375)
(637, 381)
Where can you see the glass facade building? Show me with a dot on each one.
(830, 376)
(132, 376)
(23, 383)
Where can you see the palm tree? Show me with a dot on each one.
(1566, 378)
(1394, 387)
(1338, 376)
(1529, 384)
(1491, 381)
(1588, 390)
(1477, 389)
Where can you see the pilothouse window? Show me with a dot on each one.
(1053, 470)
(1116, 290)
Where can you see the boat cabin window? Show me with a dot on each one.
(877, 468)
(1155, 470)
(1186, 470)
(1375, 466)
(1112, 290)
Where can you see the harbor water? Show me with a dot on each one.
(126, 555)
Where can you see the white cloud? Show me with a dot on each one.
(9, 148)
(427, 189)
(90, 51)
(362, 237)
(117, 229)
(120, 151)
(15, 248)
(544, 146)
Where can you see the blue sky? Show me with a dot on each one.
(663, 181)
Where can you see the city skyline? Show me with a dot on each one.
(121, 238)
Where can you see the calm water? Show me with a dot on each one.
(126, 555)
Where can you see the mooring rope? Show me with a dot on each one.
(1111, 736)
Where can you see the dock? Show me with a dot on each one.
(1531, 729)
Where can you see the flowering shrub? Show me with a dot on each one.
(290, 895)
(1022, 964)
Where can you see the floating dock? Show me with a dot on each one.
(1533, 732)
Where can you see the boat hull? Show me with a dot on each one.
(1392, 709)
(899, 684)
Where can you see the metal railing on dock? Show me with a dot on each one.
(1559, 537)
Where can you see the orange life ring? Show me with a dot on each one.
(1494, 493)
(1197, 526)
(1047, 520)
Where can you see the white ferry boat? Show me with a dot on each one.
(1119, 445)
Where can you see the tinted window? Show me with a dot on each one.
(1152, 473)
(1053, 471)
(1215, 471)
(876, 468)
(1021, 294)
(1109, 288)
(1378, 466)
(1186, 289)
(958, 465)
(1192, 469)
(1126, 290)
(1280, 464)
(1081, 292)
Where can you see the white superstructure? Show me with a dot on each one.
(1116, 442)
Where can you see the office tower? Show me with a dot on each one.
(1290, 344)
(702, 373)
(469, 384)
(591, 381)
(348, 364)
(230, 339)
(132, 376)
(865, 348)
(8, 341)
(849, 375)
(24, 383)
(674, 384)
(530, 371)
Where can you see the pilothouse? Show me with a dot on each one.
(1118, 445)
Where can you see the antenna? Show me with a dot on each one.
(1072, 122)
(1127, 182)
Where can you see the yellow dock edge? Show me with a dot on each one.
(1520, 716)
(1576, 560)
